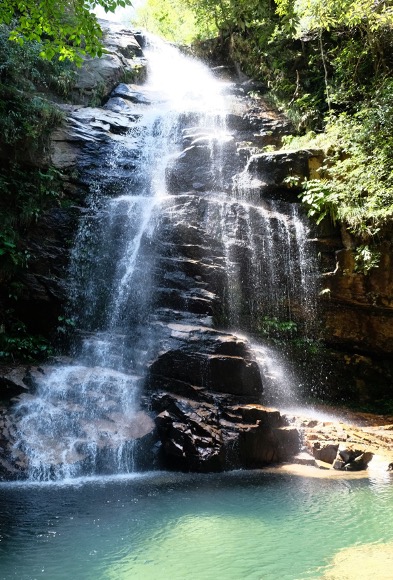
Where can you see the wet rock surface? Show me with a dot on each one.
(100, 423)
(211, 437)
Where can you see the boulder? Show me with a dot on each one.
(326, 452)
(198, 436)
(123, 40)
(281, 169)
(189, 440)
(131, 93)
(360, 462)
(204, 361)
(123, 58)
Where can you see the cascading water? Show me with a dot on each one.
(170, 258)
(178, 241)
(83, 419)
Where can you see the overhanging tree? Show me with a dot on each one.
(67, 29)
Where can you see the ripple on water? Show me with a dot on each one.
(185, 526)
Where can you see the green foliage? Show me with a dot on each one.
(26, 117)
(366, 258)
(171, 19)
(66, 324)
(356, 185)
(67, 29)
(27, 121)
(25, 194)
(22, 67)
(17, 343)
(276, 329)
(328, 65)
(28, 186)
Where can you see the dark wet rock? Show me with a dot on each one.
(359, 463)
(21, 380)
(117, 105)
(195, 169)
(190, 435)
(13, 383)
(84, 132)
(215, 373)
(202, 358)
(280, 169)
(114, 431)
(131, 93)
(43, 286)
(347, 455)
(260, 446)
(205, 391)
(198, 436)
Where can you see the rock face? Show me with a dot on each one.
(201, 402)
(360, 308)
(123, 60)
(211, 437)
(196, 394)
(48, 241)
(357, 312)
(203, 360)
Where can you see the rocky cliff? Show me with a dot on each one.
(204, 388)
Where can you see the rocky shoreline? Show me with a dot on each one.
(218, 433)
(349, 443)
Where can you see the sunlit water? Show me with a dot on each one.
(235, 526)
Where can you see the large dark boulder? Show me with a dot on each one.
(204, 361)
(203, 437)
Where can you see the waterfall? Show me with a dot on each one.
(83, 419)
(178, 239)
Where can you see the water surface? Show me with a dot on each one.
(241, 525)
